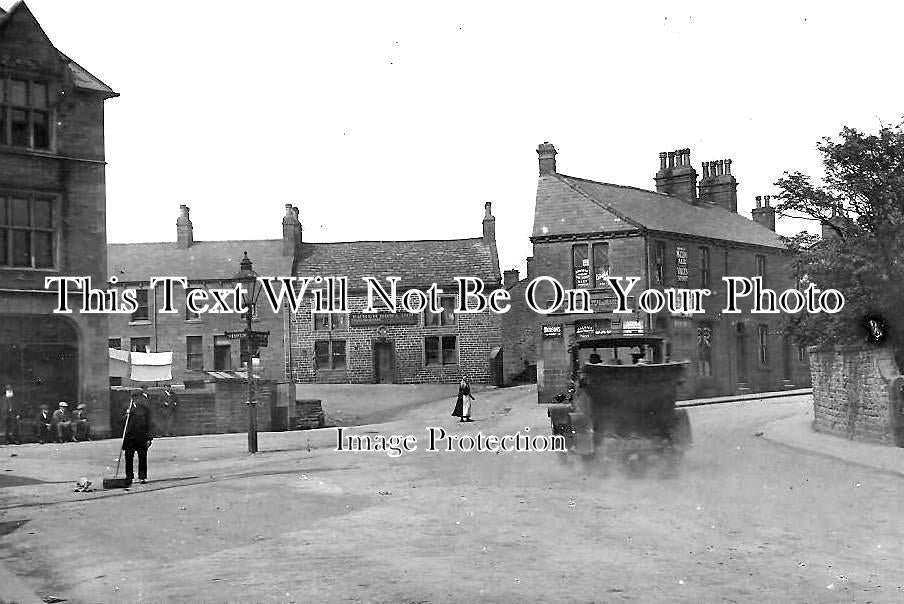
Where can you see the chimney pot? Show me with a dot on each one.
(489, 235)
(663, 156)
(547, 154)
(510, 278)
(184, 228)
(671, 159)
(764, 215)
(718, 186)
(291, 230)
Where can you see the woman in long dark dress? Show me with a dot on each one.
(463, 402)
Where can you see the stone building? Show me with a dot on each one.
(52, 220)
(401, 347)
(198, 341)
(685, 235)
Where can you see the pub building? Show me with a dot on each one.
(687, 235)
(52, 223)
(401, 347)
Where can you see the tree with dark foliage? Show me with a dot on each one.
(860, 205)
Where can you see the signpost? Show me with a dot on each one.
(252, 342)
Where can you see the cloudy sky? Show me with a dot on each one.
(398, 120)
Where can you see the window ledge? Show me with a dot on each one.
(140, 322)
(45, 153)
(7, 267)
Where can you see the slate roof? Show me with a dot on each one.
(416, 263)
(84, 79)
(204, 260)
(568, 205)
(81, 77)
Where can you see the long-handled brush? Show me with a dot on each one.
(120, 483)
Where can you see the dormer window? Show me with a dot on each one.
(24, 113)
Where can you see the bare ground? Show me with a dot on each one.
(747, 521)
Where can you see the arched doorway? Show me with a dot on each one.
(39, 359)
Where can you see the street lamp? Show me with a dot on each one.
(247, 278)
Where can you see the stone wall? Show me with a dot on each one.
(519, 336)
(855, 393)
(218, 408)
(476, 336)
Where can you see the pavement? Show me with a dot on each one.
(796, 432)
(763, 514)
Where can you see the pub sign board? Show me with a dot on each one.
(552, 331)
(599, 327)
(681, 264)
(583, 329)
(374, 319)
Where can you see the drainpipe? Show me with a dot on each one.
(649, 284)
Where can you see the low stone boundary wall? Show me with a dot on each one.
(857, 393)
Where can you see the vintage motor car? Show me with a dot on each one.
(613, 400)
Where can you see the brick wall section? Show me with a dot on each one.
(519, 329)
(476, 335)
(218, 409)
(629, 256)
(168, 332)
(851, 394)
(731, 364)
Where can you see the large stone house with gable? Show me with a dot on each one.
(52, 221)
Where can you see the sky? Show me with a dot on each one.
(399, 120)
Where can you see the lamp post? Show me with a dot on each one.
(247, 278)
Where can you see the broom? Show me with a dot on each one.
(120, 483)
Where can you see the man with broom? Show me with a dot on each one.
(137, 437)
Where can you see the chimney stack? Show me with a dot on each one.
(530, 267)
(291, 228)
(676, 176)
(510, 278)
(719, 187)
(184, 229)
(764, 214)
(489, 234)
(547, 153)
